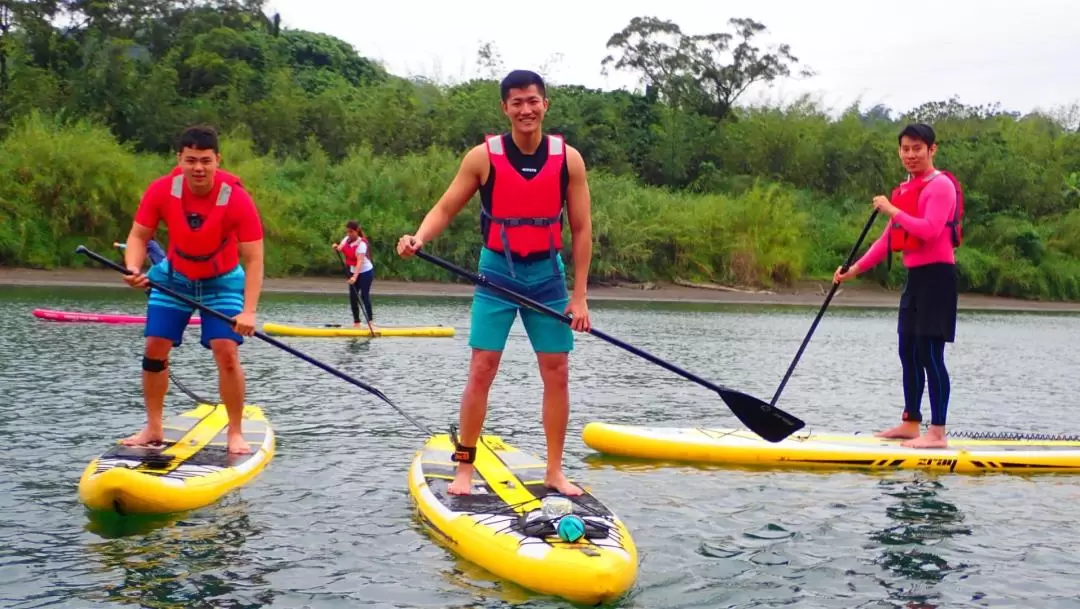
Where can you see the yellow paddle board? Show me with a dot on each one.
(500, 525)
(190, 470)
(967, 452)
(331, 331)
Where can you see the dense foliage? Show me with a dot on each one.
(686, 181)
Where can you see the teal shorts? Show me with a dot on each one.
(493, 315)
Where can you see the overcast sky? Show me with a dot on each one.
(1025, 55)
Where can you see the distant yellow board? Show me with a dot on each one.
(334, 332)
(1014, 453)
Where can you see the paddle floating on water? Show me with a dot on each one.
(765, 420)
(211, 312)
(847, 264)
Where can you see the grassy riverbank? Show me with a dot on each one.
(66, 183)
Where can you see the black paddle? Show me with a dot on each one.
(353, 288)
(208, 311)
(766, 421)
(824, 305)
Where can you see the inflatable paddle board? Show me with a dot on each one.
(100, 318)
(191, 470)
(501, 526)
(968, 452)
(331, 331)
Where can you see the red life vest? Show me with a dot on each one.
(906, 198)
(350, 248)
(528, 212)
(206, 251)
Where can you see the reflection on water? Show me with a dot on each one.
(923, 519)
(168, 561)
(110, 525)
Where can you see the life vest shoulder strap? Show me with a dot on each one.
(224, 193)
(956, 223)
(556, 145)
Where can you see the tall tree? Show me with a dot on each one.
(703, 72)
(725, 72)
(658, 50)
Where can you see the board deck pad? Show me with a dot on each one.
(194, 446)
(967, 452)
(511, 483)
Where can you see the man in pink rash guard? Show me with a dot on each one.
(927, 317)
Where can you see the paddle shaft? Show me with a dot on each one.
(542, 308)
(824, 305)
(532, 304)
(211, 312)
(352, 287)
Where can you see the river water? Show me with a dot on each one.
(329, 522)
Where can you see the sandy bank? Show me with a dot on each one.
(806, 293)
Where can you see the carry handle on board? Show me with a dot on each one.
(765, 420)
(219, 315)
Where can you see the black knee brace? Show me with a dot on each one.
(154, 365)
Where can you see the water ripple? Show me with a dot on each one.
(330, 524)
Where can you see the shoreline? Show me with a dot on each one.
(804, 293)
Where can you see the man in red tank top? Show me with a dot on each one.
(213, 227)
(526, 181)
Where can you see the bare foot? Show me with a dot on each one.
(145, 437)
(558, 481)
(462, 484)
(238, 445)
(356, 325)
(372, 328)
(926, 441)
(903, 430)
(933, 438)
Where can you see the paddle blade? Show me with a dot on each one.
(767, 421)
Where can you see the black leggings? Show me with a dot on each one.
(363, 286)
(923, 360)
